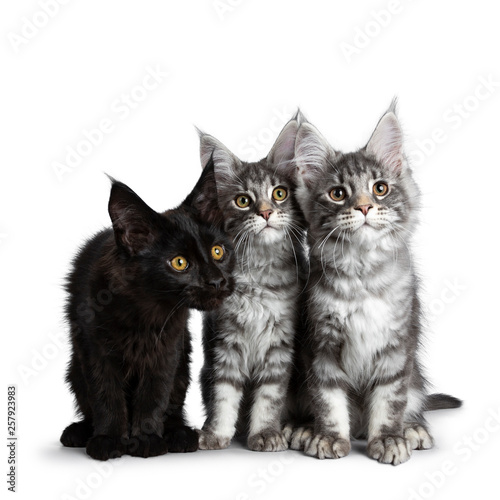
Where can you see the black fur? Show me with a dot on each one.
(128, 310)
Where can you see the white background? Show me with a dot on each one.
(239, 71)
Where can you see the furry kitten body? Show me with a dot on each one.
(357, 371)
(248, 341)
(129, 294)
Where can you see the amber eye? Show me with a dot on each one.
(217, 252)
(380, 188)
(242, 201)
(280, 194)
(179, 263)
(337, 193)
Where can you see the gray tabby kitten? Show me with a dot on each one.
(248, 341)
(358, 372)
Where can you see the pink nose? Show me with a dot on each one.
(363, 208)
(266, 214)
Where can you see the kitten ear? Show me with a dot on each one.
(312, 153)
(224, 162)
(203, 198)
(283, 150)
(135, 224)
(386, 142)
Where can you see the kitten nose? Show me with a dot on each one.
(363, 208)
(266, 214)
(217, 283)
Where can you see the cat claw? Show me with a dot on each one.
(393, 450)
(207, 440)
(327, 447)
(268, 440)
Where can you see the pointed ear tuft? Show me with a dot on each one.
(386, 142)
(224, 162)
(203, 198)
(283, 150)
(135, 224)
(312, 153)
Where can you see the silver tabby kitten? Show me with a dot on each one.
(248, 341)
(358, 372)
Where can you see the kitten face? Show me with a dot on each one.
(171, 254)
(256, 199)
(360, 196)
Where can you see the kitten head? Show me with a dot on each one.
(256, 199)
(173, 255)
(362, 195)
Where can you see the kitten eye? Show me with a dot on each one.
(217, 252)
(242, 201)
(337, 193)
(280, 194)
(380, 188)
(179, 263)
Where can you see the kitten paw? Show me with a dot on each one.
(77, 434)
(393, 450)
(103, 447)
(146, 445)
(301, 438)
(268, 440)
(288, 431)
(327, 447)
(207, 440)
(181, 439)
(419, 437)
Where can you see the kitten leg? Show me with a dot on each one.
(148, 412)
(180, 437)
(109, 410)
(265, 426)
(329, 400)
(331, 437)
(386, 437)
(415, 426)
(220, 426)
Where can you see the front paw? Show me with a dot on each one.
(146, 445)
(419, 437)
(268, 440)
(207, 440)
(103, 447)
(181, 439)
(321, 447)
(393, 450)
(301, 437)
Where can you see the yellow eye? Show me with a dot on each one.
(337, 193)
(242, 201)
(280, 194)
(179, 263)
(217, 252)
(380, 188)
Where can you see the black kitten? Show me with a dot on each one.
(129, 294)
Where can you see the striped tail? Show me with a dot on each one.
(441, 402)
